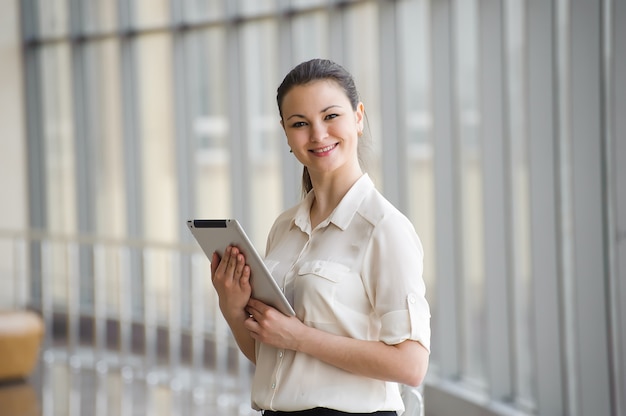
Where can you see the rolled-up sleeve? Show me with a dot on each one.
(395, 282)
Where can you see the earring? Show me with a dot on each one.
(290, 150)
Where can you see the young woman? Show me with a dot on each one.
(349, 262)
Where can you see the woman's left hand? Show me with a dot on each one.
(405, 362)
(270, 326)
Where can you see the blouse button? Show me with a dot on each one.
(412, 299)
(280, 354)
(273, 385)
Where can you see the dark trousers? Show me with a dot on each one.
(322, 411)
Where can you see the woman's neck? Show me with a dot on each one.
(329, 191)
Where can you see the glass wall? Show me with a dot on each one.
(471, 194)
(150, 113)
(208, 123)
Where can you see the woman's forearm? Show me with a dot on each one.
(404, 363)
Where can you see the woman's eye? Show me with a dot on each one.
(298, 124)
(331, 116)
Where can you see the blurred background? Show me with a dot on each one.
(497, 126)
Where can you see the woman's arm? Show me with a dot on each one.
(231, 279)
(404, 363)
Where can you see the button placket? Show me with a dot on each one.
(291, 274)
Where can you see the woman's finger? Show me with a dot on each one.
(232, 259)
(224, 260)
(215, 262)
(239, 265)
(251, 311)
(244, 281)
(257, 305)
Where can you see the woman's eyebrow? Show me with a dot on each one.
(322, 111)
(329, 107)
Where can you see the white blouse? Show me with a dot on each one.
(357, 274)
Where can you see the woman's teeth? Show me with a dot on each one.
(324, 149)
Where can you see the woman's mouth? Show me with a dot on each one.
(324, 150)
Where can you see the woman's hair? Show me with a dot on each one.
(318, 70)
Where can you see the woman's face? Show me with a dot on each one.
(322, 128)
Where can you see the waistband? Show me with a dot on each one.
(322, 411)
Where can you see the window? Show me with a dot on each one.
(149, 113)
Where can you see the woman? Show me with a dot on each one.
(349, 262)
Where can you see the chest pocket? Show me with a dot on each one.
(320, 286)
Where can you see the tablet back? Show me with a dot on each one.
(214, 235)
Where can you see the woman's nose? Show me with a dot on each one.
(318, 132)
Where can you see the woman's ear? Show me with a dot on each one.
(282, 124)
(360, 116)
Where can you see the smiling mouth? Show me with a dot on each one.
(324, 149)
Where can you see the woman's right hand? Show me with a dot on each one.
(231, 278)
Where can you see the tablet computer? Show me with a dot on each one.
(216, 235)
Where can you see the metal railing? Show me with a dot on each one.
(147, 310)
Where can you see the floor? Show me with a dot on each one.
(69, 387)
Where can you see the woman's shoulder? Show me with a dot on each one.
(390, 224)
(375, 207)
